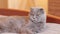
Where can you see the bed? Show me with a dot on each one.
(53, 22)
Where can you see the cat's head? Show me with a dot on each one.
(35, 14)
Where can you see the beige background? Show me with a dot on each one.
(23, 4)
(3, 4)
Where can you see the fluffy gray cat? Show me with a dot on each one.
(22, 25)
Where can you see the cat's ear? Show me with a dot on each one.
(41, 10)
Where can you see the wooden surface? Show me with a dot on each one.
(10, 12)
(54, 7)
(53, 19)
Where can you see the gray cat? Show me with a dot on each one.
(37, 20)
(22, 25)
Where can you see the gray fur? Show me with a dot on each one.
(17, 24)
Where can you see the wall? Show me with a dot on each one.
(43, 3)
(3, 4)
(39, 3)
(54, 7)
(26, 4)
(14, 4)
(23, 4)
(17, 4)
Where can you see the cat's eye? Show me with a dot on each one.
(38, 14)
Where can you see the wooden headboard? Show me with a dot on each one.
(10, 12)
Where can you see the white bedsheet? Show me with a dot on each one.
(52, 28)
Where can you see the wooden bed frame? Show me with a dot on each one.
(10, 12)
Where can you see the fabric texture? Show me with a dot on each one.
(52, 28)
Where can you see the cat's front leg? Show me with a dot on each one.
(42, 25)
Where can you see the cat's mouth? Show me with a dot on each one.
(33, 20)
